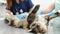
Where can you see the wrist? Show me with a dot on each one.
(52, 13)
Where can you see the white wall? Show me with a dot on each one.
(2, 1)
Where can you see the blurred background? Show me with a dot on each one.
(5, 29)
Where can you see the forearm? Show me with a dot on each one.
(8, 11)
(49, 8)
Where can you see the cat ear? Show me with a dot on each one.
(32, 15)
(35, 9)
(55, 15)
(51, 17)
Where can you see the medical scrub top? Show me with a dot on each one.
(25, 6)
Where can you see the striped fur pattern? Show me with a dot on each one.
(41, 22)
(35, 23)
(15, 22)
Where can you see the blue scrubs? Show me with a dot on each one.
(25, 6)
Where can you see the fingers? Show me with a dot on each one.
(9, 12)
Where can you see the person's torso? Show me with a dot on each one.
(21, 5)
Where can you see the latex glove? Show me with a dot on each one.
(39, 12)
(52, 13)
(21, 16)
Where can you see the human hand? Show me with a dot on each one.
(21, 16)
(52, 13)
(9, 12)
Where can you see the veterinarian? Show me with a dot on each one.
(15, 6)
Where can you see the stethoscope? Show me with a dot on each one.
(21, 11)
(17, 12)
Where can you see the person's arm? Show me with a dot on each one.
(8, 11)
(49, 8)
(8, 5)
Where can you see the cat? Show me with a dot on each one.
(40, 23)
(15, 22)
